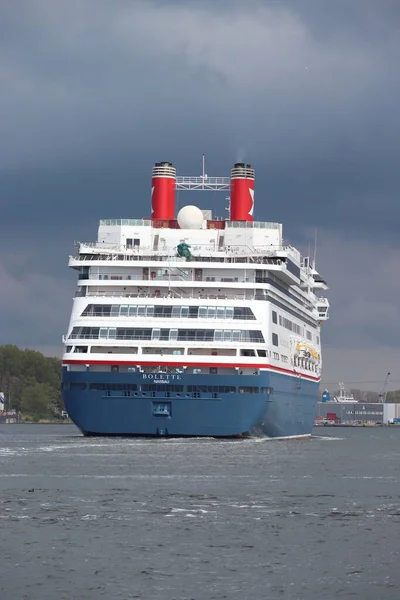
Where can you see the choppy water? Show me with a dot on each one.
(199, 519)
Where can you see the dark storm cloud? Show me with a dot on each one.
(93, 92)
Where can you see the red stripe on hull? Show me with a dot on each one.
(169, 364)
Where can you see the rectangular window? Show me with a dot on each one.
(156, 334)
(218, 335)
(267, 390)
(262, 352)
(184, 312)
(176, 312)
(150, 311)
(247, 353)
(112, 333)
(227, 336)
(202, 312)
(229, 312)
(173, 334)
(274, 317)
(275, 341)
(220, 312)
(123, 310)
(141, 311)
(133, 311)
(115, 310)
(211, 312)
(236, 336)
(103, 333)
(193, 310)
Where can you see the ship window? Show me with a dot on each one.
(211, 312)
(255, 336)
(123, 311)
(115, 310)
(176, 312)
(247, 353)
(193, 310)
(156, 334)
(150, 311)
(173, 334)
(274, 317)
(229, 312)
(103, 332)
(275, 341)
(202, 312)
(262, 352)
(246, 389)
(236, 335)
(227, 336)
(266, 390)
(141, 311)
(112, 333)
(220, 312)
(133, 311)
(218, 335)
(184, 312)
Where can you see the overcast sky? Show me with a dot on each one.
(93, 92)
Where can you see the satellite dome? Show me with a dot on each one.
(190, 217)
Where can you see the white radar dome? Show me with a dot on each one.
(190, 217)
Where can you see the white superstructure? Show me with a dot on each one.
(244, 299)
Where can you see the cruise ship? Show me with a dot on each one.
(184, 324)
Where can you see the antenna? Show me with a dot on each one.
(204, 174)
(315, 247)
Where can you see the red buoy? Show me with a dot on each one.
(163, 185)
(242, 193)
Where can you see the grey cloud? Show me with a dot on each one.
(95, 91)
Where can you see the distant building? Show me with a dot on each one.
(391, 413)
(351, 412)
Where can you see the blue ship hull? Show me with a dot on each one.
(112, 403)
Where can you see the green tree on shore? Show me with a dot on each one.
(31, 382)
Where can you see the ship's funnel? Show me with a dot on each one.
(163, 184)
(242, 192)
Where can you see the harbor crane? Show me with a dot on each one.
(382, 393)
